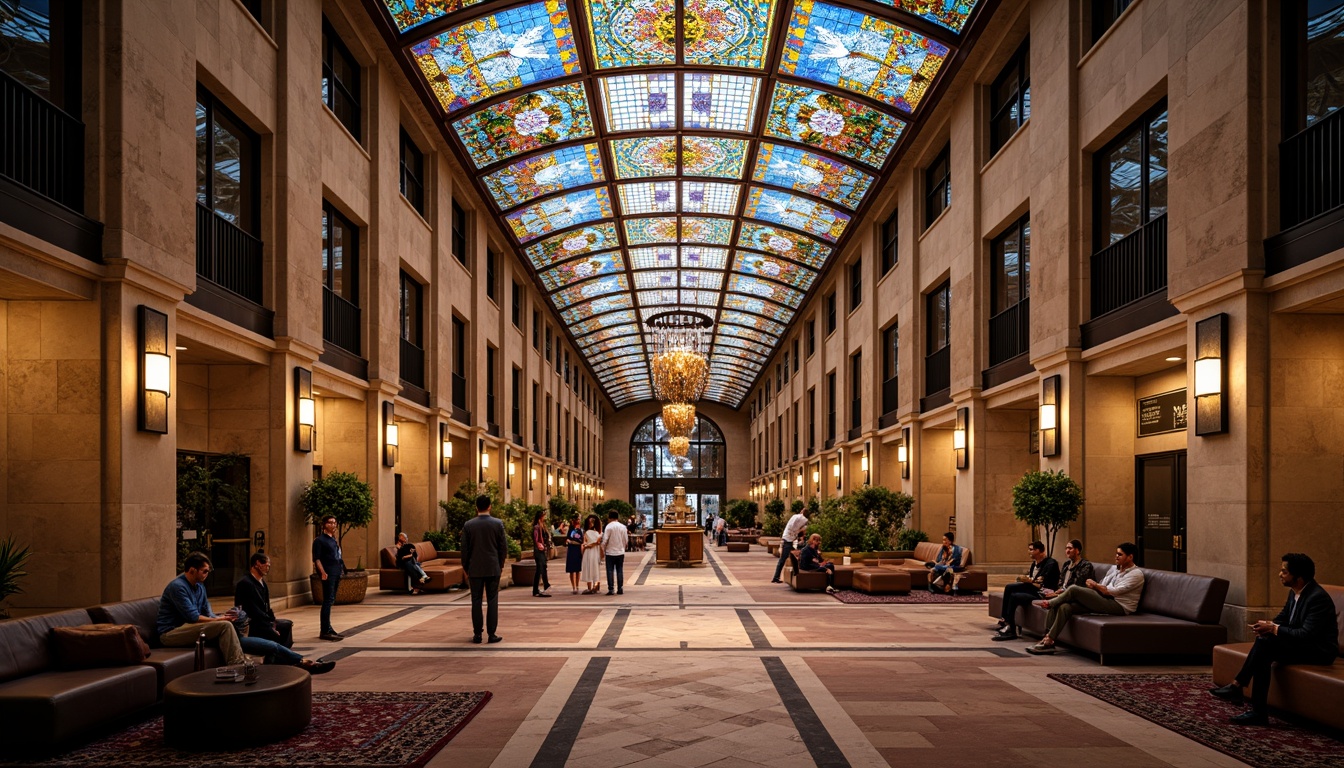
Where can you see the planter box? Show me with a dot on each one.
(350, 591)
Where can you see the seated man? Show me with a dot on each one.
(809, 559)
(1117, 595)
(408, 559)
(1042, 574)
(721, 531)
(184, 613)
(1304, 632)
(1076, 570)
(947, 563)
(254, 597)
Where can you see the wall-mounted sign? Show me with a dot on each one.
(1162, 413)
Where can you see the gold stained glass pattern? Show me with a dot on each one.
(632, 33)
(727, 33)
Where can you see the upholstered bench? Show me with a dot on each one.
(739, 546)
(844, 576)
(881, 581)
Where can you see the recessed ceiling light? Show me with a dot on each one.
(1174, 359)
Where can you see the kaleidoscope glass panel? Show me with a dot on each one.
(608, 333)
(664, 257)
(719, 102)
(737, 331)
(656, 279)
(835, 124)
(616, 355)
(648, 313)
(762, 324)
(759, 307)
(796, 212)
(701, 298)
(793, 168)
(413, 13)
(709, 231)
(538, 175)
(626, 371)
(785, 271)
(498, 53)
(526, 123)
(746, 346)
(589, 290)
(946, 13)
(631, 33)
(696, 257)
(610, 320)
(559, 212)
(659, 298)
(573, 271)
(719, 158)
(640, 102)
(709, 197)
(860, 53)
(648, 197)
(701, 279)
(781, 242)
(644, 231)
(599, 237)
(765, 289)
(578, 313)
(636, 158)
(727, 33)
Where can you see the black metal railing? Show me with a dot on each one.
(340, 322)
(855, 413)
(1131, 268)
(412, 364)
(938, 370)
(1010, 332)
(1312, 168)
(890, 395)
(231, 258)
(830, 425)
(41, 147)
(459, 391)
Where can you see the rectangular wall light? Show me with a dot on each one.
(305, 422)
(1049, 416)
(959, 438)
(445, 449)
(903, 453)
(1211, 375)
(156, 370)
(390, 438)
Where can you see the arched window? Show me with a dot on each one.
(649, 457)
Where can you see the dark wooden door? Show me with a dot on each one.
(1159, 511)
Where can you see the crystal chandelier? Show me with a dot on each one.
(679, 419)
(679, 446)
(679, 362)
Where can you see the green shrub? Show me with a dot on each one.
(773, 525)
(741, 513)
(885, 508)
(339, 494)
(1049, 500)
(796, 507)
(515, 549)
(461, 507)
(11, 563)
(909, 537)
(440, 541)
(561, 509)
(842, 523)
(623, 509)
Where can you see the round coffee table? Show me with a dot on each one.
(197, 710)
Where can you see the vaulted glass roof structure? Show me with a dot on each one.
(709, 156)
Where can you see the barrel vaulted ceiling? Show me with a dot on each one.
(648, 156)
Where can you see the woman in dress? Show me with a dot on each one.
(573, 553)
(592, 554)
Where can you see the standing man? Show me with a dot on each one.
(793, 534)
(329, 566)
(254, 597)
(1117, 594)
(1304, 632)
(1041, 575)
(541, 545)
(615, 537)
(483, 554)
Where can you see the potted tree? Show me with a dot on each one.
(887, 511)
(1047, 500)
(350, 500)
(11, 562)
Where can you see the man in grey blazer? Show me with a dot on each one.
(483, 554)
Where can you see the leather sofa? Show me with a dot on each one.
(966, 580)
(1178, 615)
(1315, 692)
(443, 570)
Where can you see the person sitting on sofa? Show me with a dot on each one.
(254, 597)
(1042, 574)
(809, 559)
(1076, 570)
(1117, 594)
(184, 613)
(408, 559)
(1304, 632)
(947, 563)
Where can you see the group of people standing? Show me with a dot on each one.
(587, 546)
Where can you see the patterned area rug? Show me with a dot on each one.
(1181, 703)
(349, 729)
(916, 597)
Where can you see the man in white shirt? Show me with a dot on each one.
(1117, 594)
(793, 537)
(614, 539)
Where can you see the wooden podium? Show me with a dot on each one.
(679, 542)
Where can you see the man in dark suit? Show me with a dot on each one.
(1304, 632)
(483, 554)
(254, 597)
(1042, 574)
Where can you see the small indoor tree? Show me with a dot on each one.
(343, 496)
(773, 525)
(1048, 500)
(12, 559)
(884, 508)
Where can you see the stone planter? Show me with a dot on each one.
(522, 572)
(350, 591)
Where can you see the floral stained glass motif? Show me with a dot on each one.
(636, 158)
(709, 197)
(529, 122)
(765, 289)
(761, 350)
(590, 289)
(758, 307)
(794, 168)
(670, 297)
(709, 231)
(744, 320)
(629, 33)
(719, 102)
(946, 13)
(598, 306)
(784, 271)
(796, 212)
(864, 54)
(718, 158)
(533, 221)
(727, 33)
(538, 175)
(581, 269)
(645, 231)
(498, 53)
(592, 239)
(611, 320)
(610, 329)
(749, 334)
(780, 242)
(413, 13)
(648, 197)
(664, 257)
(835, 124)
(640, 102)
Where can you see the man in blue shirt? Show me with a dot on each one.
(328, 565)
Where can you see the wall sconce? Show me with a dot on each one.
(601, 493)
(562, 482)
(1211, 375)
(959, 438)
(550, 480)
(305, 423)
(389, 434)
(1049, 418)
(508, 468)
(156, 370)
(445, 449)
(816, 476)
(836, 471)
(863, 464)
(485, 461)
(531, 477)
(903, 453)
(799, 482)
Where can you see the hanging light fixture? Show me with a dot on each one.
(679, 364)
(679, 419)
(679, 446)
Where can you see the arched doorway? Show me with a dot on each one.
(654, 472)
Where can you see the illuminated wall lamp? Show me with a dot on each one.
(550, 480)
(959, 438)
(305, 425)
(863, 464)
(1211, 375)
(156, 370)
(445, 449)
(390, 436)
(836, 471)
(903, 453)
(485, 461)
(798, 483)
(532, 478)
(1049, 416)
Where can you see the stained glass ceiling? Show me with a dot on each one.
(708, 156)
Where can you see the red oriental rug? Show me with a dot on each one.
(350, 729)
(1181, 703)
(916, 597)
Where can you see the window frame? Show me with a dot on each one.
(333, 45)
(492, 274)
(1104, 15)
(412, 178)
(945, 288)
(856, 284)
(405, 281)
(330, 210)
(890, 241)
(938, 187)
(1018, 70)
(249, 184)
(517, 309)
(1102, 213)
(1022, 228)
(832, 321)
(459, 232)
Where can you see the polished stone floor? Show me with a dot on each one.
(715, 666)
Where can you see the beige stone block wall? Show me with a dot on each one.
(936, 500)
(1004, 459)
(1108, 475)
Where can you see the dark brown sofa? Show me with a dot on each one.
(1178, 615)
(1315, 692)
(168, 663)
(967, 580)
(443, 570)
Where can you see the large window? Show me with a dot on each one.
(830, 408)
(412, 343)
(1131, 178)
(856, 391)
(890, 239)
(459, 367)
(649, 457)
(340, 280)
(938, 186)
(811, 332)
(491, 382)
(830, 313)
(517, 305)
(412, 173)
(1010, 99)
(459, 233)
(891, 367)
(1104, 14)
(226, 165)
(855, 284)
(516, 404)
(340, 80)
(1009, 289)
(938, 342)
(492, 275)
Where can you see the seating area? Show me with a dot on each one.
(967, 580)
(889, 575)
(444, 569)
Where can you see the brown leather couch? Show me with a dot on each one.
(1315, 692)
(1178, 615)
(443, 569)
(966, 580)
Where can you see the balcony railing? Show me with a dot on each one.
(1131, 268)
(340, 322)
(41, 147)
(1010, 332)
(231, 258)
(890, 395)
(938, 371)
(855, 413)
(412, 364)
(459, 391)
(1312, 168)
